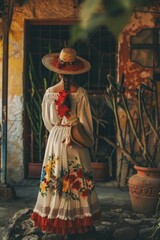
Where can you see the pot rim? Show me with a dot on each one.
(146, 169)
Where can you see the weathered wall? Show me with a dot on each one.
(134, 73)
(39, 9)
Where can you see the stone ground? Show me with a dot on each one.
(118, 221)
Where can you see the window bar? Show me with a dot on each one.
(31, 146)
(40, 53)
(110, 56)
(89, 59)
(99, 58)
(49, 49)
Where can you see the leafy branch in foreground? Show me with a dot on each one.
(114, 15)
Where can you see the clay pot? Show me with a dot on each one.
(144, 189)
(34, 170)
(100, 171)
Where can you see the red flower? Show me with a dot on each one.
(85, 193)
(80, 173)
(62, 109)
(76, 185)
(65, 177)
(62, 96)
(45, 180)
(72, 178)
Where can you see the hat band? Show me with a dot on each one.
(79, 65)
(61, 63)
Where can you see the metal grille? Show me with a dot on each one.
(99, 50)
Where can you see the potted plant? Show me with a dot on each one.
(142, 148)
(101, 153)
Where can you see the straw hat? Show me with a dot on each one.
(66, 62)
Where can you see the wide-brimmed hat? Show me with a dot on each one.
(66, 62)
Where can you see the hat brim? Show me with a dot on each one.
(50, 61)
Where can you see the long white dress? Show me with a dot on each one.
(67, 201)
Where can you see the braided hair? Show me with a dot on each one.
(68, 80)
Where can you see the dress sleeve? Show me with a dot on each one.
(49, 113)
(84, 115)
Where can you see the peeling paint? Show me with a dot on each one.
(15, 138)
(134, 73)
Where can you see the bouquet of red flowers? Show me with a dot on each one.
(62, 108)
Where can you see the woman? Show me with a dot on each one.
(67, 202)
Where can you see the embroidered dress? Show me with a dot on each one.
(67, 201)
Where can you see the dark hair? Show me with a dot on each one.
(69, 80)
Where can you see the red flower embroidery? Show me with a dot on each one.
(80, 173)
(65, 178)
(76, 185)
(72, 178)
(85, 193)
(62, 96)
(45, 181)
(62, 109)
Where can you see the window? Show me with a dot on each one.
(99, 50)
(145, 48)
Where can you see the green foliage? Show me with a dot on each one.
(101, 152)
(113, 14)
(98, 114)
(3, 6)
(156, 227)
(33, 108)
(5, 3)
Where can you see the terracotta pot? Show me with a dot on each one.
(34, 170)
(100, 171)
(144, 189)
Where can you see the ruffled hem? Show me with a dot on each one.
(64, 227)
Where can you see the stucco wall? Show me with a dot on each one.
(39, 9)
(134, 73)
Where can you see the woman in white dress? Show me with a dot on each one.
(67, 202)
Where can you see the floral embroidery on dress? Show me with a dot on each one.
(62, 109)
(72, 183)
(47, 174)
